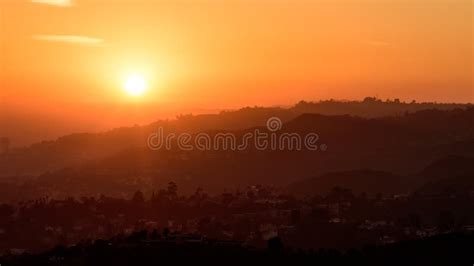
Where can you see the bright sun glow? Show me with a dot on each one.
(135, 85)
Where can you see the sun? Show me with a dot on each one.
(135, 85)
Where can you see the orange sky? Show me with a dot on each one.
(68, 59)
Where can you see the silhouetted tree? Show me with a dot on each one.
(155, 235)
(275, 244)
(166, 232)
(138, 197)
(172, 190)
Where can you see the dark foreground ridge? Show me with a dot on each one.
(146, 248)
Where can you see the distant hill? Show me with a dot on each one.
(119, 161)
(81, 147)
(456, 185)
(449, 166)
(448, 174)
(77, 148)
(371, 107)
(451, 174)
(358, 181)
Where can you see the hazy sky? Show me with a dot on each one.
(70, 59)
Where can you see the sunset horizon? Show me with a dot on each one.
(147, 132)
(69, 60)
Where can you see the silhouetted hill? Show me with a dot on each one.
(429, 126)
(119, 162)
(360, 181)
(455, 185)
(370, 107)
(448, 175)
(81, 147)
(449, 166)
(76, 148)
